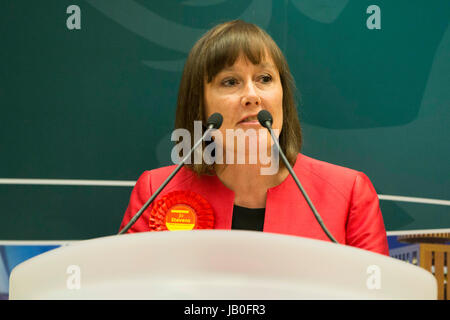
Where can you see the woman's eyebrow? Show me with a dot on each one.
(263, 65)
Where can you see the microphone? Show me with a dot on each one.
(214, 122)
(265, 119)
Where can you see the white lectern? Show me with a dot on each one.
(216, 264)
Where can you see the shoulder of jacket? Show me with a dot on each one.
(340, 178)
(162, 171)
(157, 176)
(326, 169)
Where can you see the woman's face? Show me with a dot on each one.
(239, 92)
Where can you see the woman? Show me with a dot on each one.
(236, 69)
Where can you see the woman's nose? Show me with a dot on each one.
(250, 96)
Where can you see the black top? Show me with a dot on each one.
(248, 219)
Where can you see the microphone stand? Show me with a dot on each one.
(267, 123)
(210, 127)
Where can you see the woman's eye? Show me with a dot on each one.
(266, 79)
(229, 82)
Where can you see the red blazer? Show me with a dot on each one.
(344, 198)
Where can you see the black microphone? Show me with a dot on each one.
(265, 119)
(214, 122)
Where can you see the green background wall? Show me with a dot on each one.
(98, 103)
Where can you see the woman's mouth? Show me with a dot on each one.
(251, 120)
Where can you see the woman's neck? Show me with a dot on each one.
(249, 185)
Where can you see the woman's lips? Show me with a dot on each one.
(249, 123)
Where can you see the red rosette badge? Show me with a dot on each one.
(181, 210)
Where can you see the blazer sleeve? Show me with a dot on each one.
(139, 196)
(365, 227)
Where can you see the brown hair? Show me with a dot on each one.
(219, 48)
